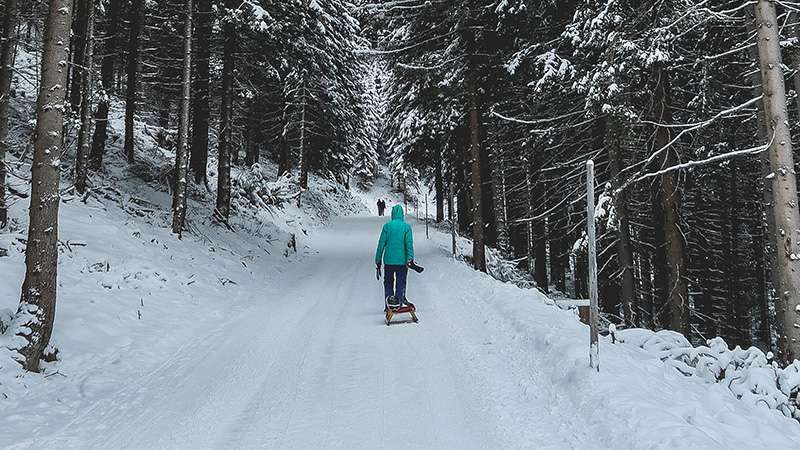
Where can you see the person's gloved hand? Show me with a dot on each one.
(378, 272)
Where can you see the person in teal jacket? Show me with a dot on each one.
(396, 249)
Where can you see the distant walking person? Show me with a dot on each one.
(381, 206)
(396, 249)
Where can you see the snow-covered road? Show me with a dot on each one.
(301, 358)
(309, 363)
(314, 368)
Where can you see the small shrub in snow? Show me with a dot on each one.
(5, 319)
(251, 184)
(747, 373)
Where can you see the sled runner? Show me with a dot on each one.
(407, 307)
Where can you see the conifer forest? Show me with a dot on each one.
(689, 110)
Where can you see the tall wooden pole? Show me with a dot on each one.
(594, 353)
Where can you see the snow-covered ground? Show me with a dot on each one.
(235, 340)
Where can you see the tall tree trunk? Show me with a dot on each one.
(6, 73)
(463, 210)
(670, 197)
(765, 327)
(478, 246)
(645, 316)
(559, 251)
(787, 220)
(500, 208)
(182, 152)
(624, 251)
(79, 25)
(107, 88)
(795, 33)
(530, 211)
(658, 263)
(439, 185)
(283, 158)
(768, 187)
(736, 310)
(251, 155)
(538, 228)
(82, 156)
(134, 73)
(37, 305)
(304, 162)
(201, 110)
(226, 120)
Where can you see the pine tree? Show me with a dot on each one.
(6, 74)
(36, 313)
(134, 74)
(201, 95)
(86, 90)
(107, 73)
(182, 152)
(784, 201)
(223, 206)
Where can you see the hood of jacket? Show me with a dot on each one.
(397, 212)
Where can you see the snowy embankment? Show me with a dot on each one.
(227, 339)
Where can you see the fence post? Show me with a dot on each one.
(594, 351)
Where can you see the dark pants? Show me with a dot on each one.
(394, 281)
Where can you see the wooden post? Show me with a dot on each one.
(452, 220)
(594, 352)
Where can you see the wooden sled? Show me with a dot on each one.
(407, 307)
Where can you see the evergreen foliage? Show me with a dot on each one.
(663, 95)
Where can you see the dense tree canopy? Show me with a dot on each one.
(504, 100)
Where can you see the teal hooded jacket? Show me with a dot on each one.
(396, 245)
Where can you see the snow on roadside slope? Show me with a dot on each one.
(635, 401)
(131, 294)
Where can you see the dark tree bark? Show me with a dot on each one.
(283, 158)
(134, 72)
(624, 251)
(251, 155)
(658, 262)
(201, 110)
(36, 313)
(478, 245)
(6, 63)
(498, 165)
(107, 88)
(79, 25)
(765, 245)
(82, 154)
(670, 197)
(223, 205)
(538, 227)
(182, 152)
(439, 186)
(736, 313)
(559, 251)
